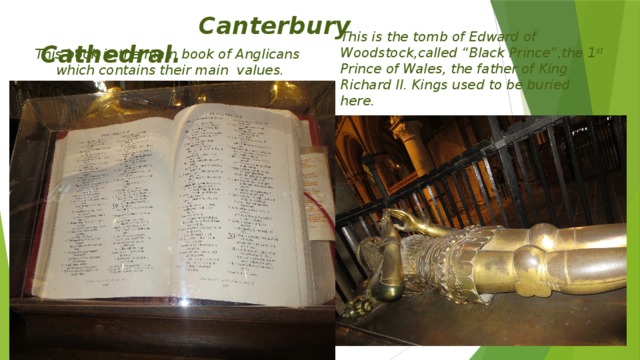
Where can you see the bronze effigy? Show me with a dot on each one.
(473, 264)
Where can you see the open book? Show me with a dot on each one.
(208, 205)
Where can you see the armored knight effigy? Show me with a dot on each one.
(473, 264)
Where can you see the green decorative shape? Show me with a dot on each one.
(505, 352)
(625, 90)
(614, 83)
(601, 46)
(555, 26)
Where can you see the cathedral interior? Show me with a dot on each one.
(510, 171)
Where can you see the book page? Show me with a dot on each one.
(319, 196)
(237, 192)
(108, 213)
(320, 215)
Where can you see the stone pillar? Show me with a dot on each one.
(370, 163)
(357, 181)
(409, 133)
(346, 194)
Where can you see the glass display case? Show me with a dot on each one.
(144, 326)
